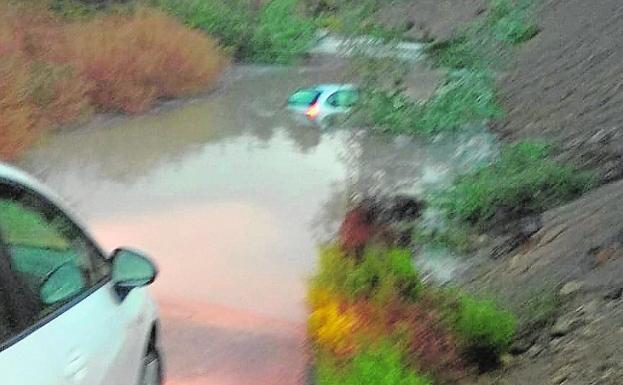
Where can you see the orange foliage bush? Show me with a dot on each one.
(52, 71)
(17, 123)
(135, 59)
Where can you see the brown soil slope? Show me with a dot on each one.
(431, 19)
(578, 254)
(566, 84)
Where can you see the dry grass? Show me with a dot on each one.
(53, 72)
(134, 60)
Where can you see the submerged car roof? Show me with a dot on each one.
(330, 87)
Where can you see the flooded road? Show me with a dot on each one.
(231, 197)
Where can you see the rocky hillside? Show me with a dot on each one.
(561, 271)
(565, 283)
(563, 86)
(566, 84)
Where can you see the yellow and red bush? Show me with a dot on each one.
(332, 322)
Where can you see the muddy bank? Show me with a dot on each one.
(561, 271)
(565, 283)
(562, 86)
(431, 19)
(565, 84)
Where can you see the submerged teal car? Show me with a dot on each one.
(321, 103)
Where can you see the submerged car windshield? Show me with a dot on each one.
(304, 97)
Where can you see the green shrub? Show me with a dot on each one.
(381, 275)
(276, 33)
(483, 327)
(487, 43)
(511, 20)
(380, 365)
(466, 97)
(333, 269)
(231, 22)
(282, 34)
(523, 181)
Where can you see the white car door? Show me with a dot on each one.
(78, 331)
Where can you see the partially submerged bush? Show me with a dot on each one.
(53, 71)
(524, 180)
(35, 96)
(134, 60)
(466, 97)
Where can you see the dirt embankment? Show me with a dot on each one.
(576, 257)
(564, 86)
(431, 19)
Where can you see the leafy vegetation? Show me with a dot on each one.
(55, 71)
(524, 180)
(381, 275)
(512, 20)
(331, 326)
(351, 17)
(469, 95)
(483, 327)
(134, 60)
(466, 97)
(380, 364)
(281, 34)
(375, 302)
(486, 44)
(272, 32)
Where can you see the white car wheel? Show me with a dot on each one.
(152, 370)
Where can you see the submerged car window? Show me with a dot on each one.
(303, 97)
(347, 98)
(47, 252)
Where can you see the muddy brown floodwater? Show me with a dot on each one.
(231, 196)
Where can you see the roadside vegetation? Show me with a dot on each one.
(374, 321)
(56, 70)
(273, 31)
(351, 17)
(468, 96)
(523, 181)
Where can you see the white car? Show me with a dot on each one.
(323, 102)
(69, 313)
